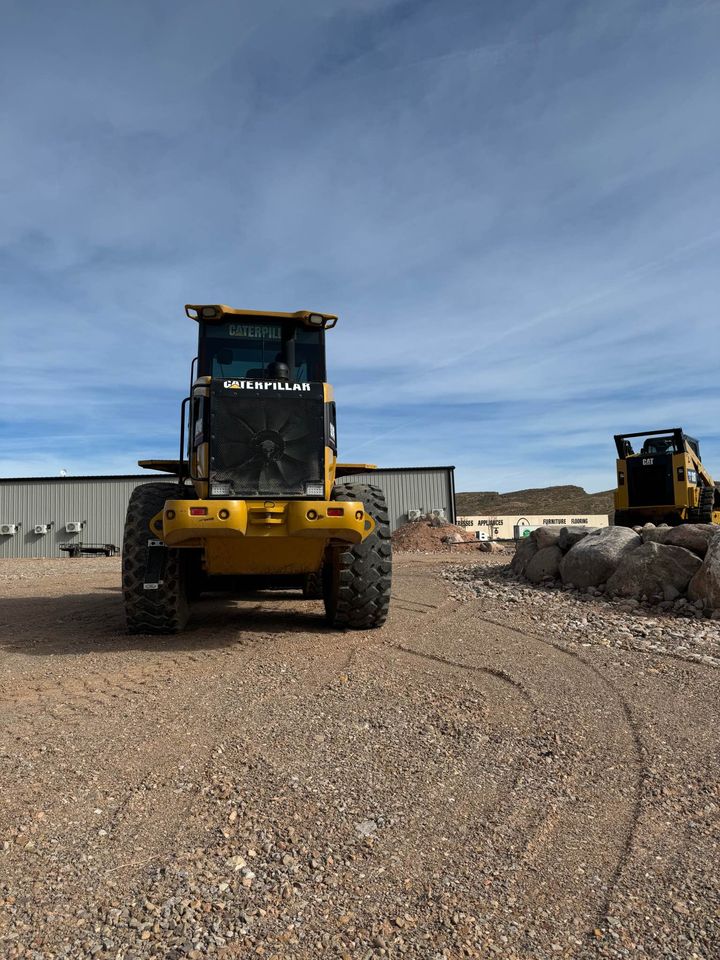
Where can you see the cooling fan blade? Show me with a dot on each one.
(238, 451)
(294, 471)
(297, 447)
(244, 421)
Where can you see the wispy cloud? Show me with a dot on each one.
(514, 210)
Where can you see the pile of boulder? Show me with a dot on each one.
(430, 534)
(663, 565)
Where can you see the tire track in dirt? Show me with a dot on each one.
(488, 671)
(632, 726)
(541, 824)
(153, 817)
(39, 695)
(538, 837)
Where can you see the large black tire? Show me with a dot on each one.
(357, 578)
(622, 519)
(164, 610)
(703, 513)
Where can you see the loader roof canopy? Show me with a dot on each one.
(655, 443)
(218, 312)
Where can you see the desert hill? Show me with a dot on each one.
(550, 500)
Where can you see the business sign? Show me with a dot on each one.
(514, 527)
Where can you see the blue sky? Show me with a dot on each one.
(514, 208)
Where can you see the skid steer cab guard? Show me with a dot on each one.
(661, 479)
(259, 500)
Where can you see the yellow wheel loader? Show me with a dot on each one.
(258, 502)
(664, 481)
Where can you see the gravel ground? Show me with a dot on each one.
(500, 771)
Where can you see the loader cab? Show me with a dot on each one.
(654, 443)
(261, 423)
(677, 442)
(656, 446)
(242, 345)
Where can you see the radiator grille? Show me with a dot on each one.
(266, 441)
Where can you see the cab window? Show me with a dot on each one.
(253, 349)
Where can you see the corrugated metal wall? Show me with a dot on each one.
(100, 501)
(417, 488)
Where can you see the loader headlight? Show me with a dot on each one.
(198, 312)
(316, 320)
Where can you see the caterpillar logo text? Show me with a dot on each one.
(265, 385)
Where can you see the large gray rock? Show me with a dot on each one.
(569, 536)
(705, 585)
(692, 536)
(653, 568)
(595, 558)
(453, 538)
(490, 546)
(524, 552)
(546, 536)
(545, 563)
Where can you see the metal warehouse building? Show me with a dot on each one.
(38, 514)
(413, 488)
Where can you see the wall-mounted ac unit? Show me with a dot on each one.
(74, 526)
(413, 515)
(8, 529)
(41, 528)
(438, 512)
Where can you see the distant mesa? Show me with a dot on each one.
(552, 501)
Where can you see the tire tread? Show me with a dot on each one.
(160, 611)
(359, 577)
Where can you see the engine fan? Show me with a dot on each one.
(268, 448)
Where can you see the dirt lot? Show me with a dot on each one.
(463, 783)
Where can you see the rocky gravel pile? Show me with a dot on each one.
(674, 568)
(431, 534)
(589, 616)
